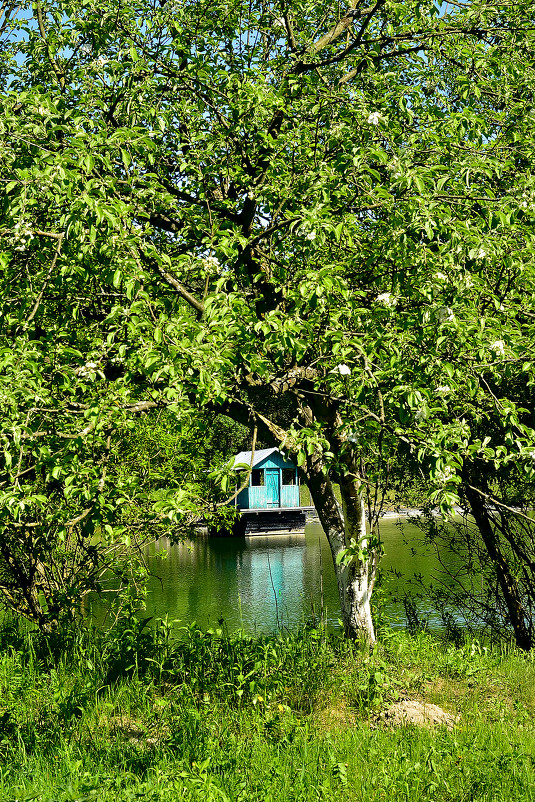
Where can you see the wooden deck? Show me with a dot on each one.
(274, 521)
(256, 510)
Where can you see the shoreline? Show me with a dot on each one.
(414, 512)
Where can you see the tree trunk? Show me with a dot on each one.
(355, 594)
(356, 578)
(506, 580)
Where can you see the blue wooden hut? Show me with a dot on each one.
(273, 482)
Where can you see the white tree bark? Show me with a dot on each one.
(355, 577)
(355, 597)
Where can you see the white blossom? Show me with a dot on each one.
(88, 369)
(211, 263)
(498, 346)
(420, 415)
(374, 118)
(395, 166)
(441, 276)
(526, 198)
(343, 370)
(445, 475)
(481, 254)
(99, 63)
(443, 389)
(386, 298)
(311, 235)
(22, 234)
(445, 315)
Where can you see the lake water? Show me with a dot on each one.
(258, 584)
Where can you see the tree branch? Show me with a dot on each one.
(53, 63)
(500, 504)
(247, 475)
(174, 283)
(45, 282)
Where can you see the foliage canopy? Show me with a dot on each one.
(318, 221)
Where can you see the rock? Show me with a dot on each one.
(422, 715)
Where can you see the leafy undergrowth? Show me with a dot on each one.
(135, 714)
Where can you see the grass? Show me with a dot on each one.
(132, 714)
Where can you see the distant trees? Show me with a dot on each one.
(317, 222)
(170, 457)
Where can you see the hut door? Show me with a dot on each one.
(272, 487)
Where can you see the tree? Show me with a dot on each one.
(315, 221)
(172, 456)
(493, 582)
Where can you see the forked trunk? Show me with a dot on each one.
(355, 577)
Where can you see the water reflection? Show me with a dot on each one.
(261, 583)
(256, 583)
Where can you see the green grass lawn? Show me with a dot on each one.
(136, 715)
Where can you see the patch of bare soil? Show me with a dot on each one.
(131, 730)
(419, 713)
(336, 717)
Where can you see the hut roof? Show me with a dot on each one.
(244, 457)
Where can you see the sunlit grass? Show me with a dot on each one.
(135, 715)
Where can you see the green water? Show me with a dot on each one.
(259, 584)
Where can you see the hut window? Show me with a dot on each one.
(257, 477)
(288, 476)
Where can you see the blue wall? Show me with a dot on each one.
(273, 494)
